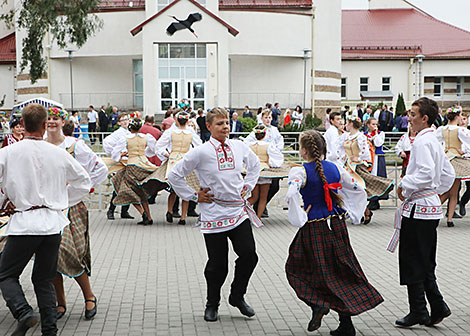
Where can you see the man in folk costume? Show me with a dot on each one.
(108, 145)
(225, 213)
(27, 170)
(429, 174)
(332, 138)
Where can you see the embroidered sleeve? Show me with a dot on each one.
(297, 178)
(364, 153)
(354, 196)
(400, 144)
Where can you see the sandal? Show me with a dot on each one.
(61, 314)
(90, 313)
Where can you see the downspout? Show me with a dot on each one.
(410, 70)
(313, 60)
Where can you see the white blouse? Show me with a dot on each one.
(272, 136)
(121, 146)
(364, 154)
(354, 196)
(463, 134)
(222, 173)
(163, 145)
(404, 144)
(113, 139)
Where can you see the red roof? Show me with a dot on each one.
(8, 49)
(400, 33)
(122, 4)
(111, 4)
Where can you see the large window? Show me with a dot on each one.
(343, 88)
(163, 3)
(386, 83)
(177, 61)
(364, 81)
(437, 86)
(138, 83)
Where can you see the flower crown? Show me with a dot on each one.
(180, 115)
(353, 118)
(455, 109)
(136, 122)
(58, 112)
(134, 115)
(259, 130)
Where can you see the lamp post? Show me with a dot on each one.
(306, 51)
(70, 51)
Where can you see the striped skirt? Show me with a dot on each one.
(126, 184)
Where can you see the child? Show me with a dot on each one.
(270, 157)
(225, 214)
(322, 267)
(429, 174)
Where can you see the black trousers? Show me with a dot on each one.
(466, 195)
(91, 132)
(112, 207)
(16, 255)
(417, 251)
(217, 266)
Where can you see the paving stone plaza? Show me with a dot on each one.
(149, 281)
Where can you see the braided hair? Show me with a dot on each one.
(315, 145)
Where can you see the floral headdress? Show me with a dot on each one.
(134, 115)
(353, 118)
(182, 115)
(136, 122)
(259, 129)
(58, 112)
(455, 109)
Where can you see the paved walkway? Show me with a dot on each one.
(149, 281)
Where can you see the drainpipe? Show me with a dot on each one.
(410, 70)
(313, 60)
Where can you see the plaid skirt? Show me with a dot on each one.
(74, 250)
(461, 167)
(127, 187)
(157, 180)
(376, 186)
(324, 272)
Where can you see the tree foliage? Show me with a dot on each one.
(68, 21)
(400, 107)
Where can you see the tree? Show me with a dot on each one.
(68, 21)
(400, 107)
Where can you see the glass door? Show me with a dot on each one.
(196, 93)
(168, 94)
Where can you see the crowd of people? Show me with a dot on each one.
(231, 180)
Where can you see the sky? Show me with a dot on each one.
(454, 12)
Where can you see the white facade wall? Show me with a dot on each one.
(446, 67)
(388, 4)
(7, 85)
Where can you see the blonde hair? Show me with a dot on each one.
(266, 112)
(216, 112)
(315, 145)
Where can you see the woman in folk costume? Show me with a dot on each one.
(74, 251)
(136, 147)
(271, 159)
(403, 148)
(358, 159)
(456, 140)
(17, 131)
(171, 148)
(376, 139)
(322, 267)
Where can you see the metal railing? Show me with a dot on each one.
(240, 100)
(81, 101)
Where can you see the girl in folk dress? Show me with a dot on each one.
(456, 140)
(356, 149)
(270, 157)
(403, 148)
(74, 251)
(136, 147)
(171, 148)
(17, 131)
(322, 267)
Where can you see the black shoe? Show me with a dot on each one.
(144, 220)
(345, 328)
(368, 218)
(437, 315)
(169, 217)
(450, 224)
(126, 215)
(462, 210)
(181, 222)
(176, 214)
(265, 214)
(61, 314)
(456, 215)
(149, 222)
(192, 214)
(413, 319)
(242, 306)
(90, 313)
(317, 315)
(26, 323)
(110, 215)
(152, 200)
(211, 313)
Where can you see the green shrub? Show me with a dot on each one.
(312, 121)
(400, 107)
(293, 128)
(248, 124)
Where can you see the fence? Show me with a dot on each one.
(240, 100)
(81, 101)
(99, 200)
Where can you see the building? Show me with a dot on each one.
(395, 48)
(242, 52)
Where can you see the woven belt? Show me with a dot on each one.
(398, 214)
(246, 206)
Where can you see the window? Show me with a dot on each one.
(180, 60)
(386, 83)
(343, 88)
(460, 86)
(163, 3)
(437, 86)
(364, 84)
(138, 83)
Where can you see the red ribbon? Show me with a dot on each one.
(326, 188)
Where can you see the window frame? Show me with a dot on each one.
(344, 87)
(389, 84)
(440, 84)
(361, 84)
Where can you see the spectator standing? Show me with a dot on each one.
(92, 119)
(385, 119)
(358, 111)
(113, 117)
(346, 112)
(103, 122)
(247, 113)
(327, 119)
(297, 116)
(17, 132)
(168, 121)
(76, 124)
(259, 114)
(276, 112)
(235, 126)
(205, 134)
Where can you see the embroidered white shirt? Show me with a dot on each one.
(113, 139)
(222, 173)
(429, 169)
(37, 173)
(272, 136)
(332, 138)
